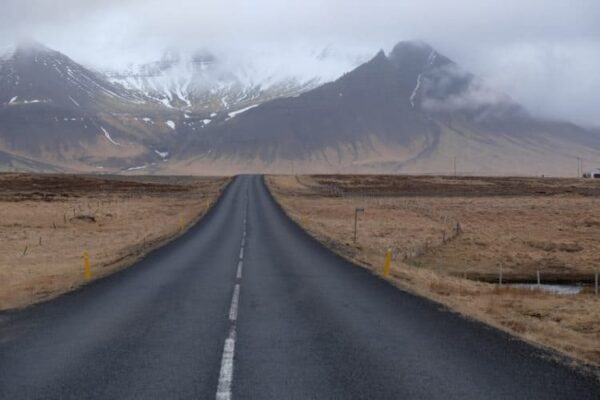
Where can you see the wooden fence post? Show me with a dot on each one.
(500, 277)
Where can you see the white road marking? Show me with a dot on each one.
(239, 270)
(226, 374)
(233, 311)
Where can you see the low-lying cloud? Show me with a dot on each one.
(450, 88)
(543, 54)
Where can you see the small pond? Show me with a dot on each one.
(556, 289)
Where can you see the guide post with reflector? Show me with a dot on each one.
(387, 266)
(87, 266)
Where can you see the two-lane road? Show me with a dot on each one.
(246, 305)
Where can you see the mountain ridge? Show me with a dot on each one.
(412, 110)
(54, 110)
(414, 100)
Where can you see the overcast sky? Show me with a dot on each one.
(544, 53)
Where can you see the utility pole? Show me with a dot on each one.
(292, 161)
(579, 167)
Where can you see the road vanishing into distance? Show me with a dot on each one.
(246, 305)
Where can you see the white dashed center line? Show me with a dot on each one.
(233, 310)
(226, 374)
(238, 275)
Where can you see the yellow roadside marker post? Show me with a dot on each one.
(87, 266)
(387, 266)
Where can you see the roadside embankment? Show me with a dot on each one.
(443, 230)
(48, 223)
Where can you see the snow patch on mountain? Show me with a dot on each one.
(74, 101)
(162, 154)
(137, 168)
(107, 136)
(233, 114)
(415, 92)
(431, 58)
(203, 81)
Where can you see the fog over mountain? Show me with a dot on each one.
(411, 110)
(544, 54)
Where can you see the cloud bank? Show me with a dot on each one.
(544, 54)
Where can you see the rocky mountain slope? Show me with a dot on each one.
(205, 83)
(410, 111)
(53, 110)
(413, 110)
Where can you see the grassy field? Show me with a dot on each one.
(515, 225)
(47, 222)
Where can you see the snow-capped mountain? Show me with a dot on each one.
(34, 74)
(412, 110)
(53, 109)
(203, 82)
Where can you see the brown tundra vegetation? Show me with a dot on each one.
(452, 237)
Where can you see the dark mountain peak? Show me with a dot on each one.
(443, 87)
(415, 57)
(29, 54)
(28, 47)
(371, 73)
(34, 75)
(411, 48)
(380, 55)
(374, 70)
(380, 60)
(25, 48)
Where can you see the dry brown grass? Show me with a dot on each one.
(555, 232)
(48, 221)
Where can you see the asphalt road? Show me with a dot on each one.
(247, 306)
